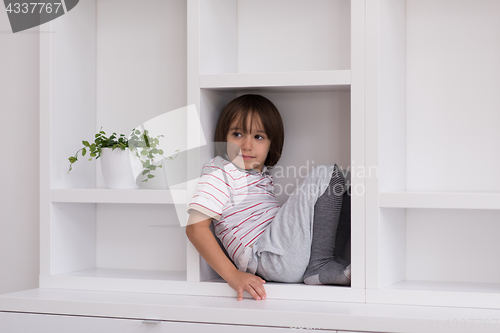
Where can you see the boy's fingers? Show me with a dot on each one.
(252, 292)
(259, 288)
(240, 295)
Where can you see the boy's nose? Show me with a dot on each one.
(247, 144)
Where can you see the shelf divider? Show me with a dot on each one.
(103, 195)
(338, 79)
(449, 200)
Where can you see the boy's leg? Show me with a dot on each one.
(283, 250)
(325, 265)
(344, 228)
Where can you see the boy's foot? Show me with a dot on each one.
(330, 274)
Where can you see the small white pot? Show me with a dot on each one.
(117, 168)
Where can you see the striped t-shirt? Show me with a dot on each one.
(240, 202)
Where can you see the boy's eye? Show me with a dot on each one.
(236, 134)
(260, 137)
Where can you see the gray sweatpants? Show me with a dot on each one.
(283, 250)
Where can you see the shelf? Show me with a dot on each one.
(439, 293)
(280, 313)
(289, 81)
(129, 274)
(118, 280)
(174, 283)
(450, 200)
(102, 195)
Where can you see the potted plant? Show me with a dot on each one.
(117, 164)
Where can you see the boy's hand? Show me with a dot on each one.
(241, 281)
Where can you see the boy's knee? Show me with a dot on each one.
(325, 170)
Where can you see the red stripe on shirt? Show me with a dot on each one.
(260, 233)
(213, 196)
(257, 227)
(218, 189)
(236, 250)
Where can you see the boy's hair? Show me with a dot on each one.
(247, 106)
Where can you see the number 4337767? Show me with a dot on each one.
(33, 7)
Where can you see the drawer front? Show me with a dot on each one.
(13, 322)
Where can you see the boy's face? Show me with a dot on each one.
(248, 150)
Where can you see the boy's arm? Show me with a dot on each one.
(199, 233)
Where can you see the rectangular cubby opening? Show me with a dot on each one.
(248, 36)
(317, 123)
(439, 78)
(123, 241)
(439, 250)
(112, 68)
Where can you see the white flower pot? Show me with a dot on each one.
(118, 168)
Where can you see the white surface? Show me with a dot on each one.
(422, 134)
(260, 36)
(144, 237)
(72, 238)
(68, 85)
(453, 79)
(428, 199)
(217, 37)
(103, 195)
(371, 152)
(19, 167)
(227, 310)
(441, 243)
(17, 322)
(439, 293)
(392, 248)
(392, 94)
(358, 143)
(174, 283)
(293, 35)
(283, 80)
(117, 168)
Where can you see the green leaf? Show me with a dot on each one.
(152, 167)
(72, 159)
(145, 172)
(144, 152)
(160, 151)
(84, 151)
(150, 176)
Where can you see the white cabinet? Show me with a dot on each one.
(307, 58)
(109, 66)
(432, 109)
(26, 323)
(106, 65)
(401, 92)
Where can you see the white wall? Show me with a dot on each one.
(19, 156)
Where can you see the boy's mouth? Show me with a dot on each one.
(246, 157)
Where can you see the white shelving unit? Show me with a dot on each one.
(104, 66)
(401, 92)
(316, 81)
(431, 217)
(130, 240)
